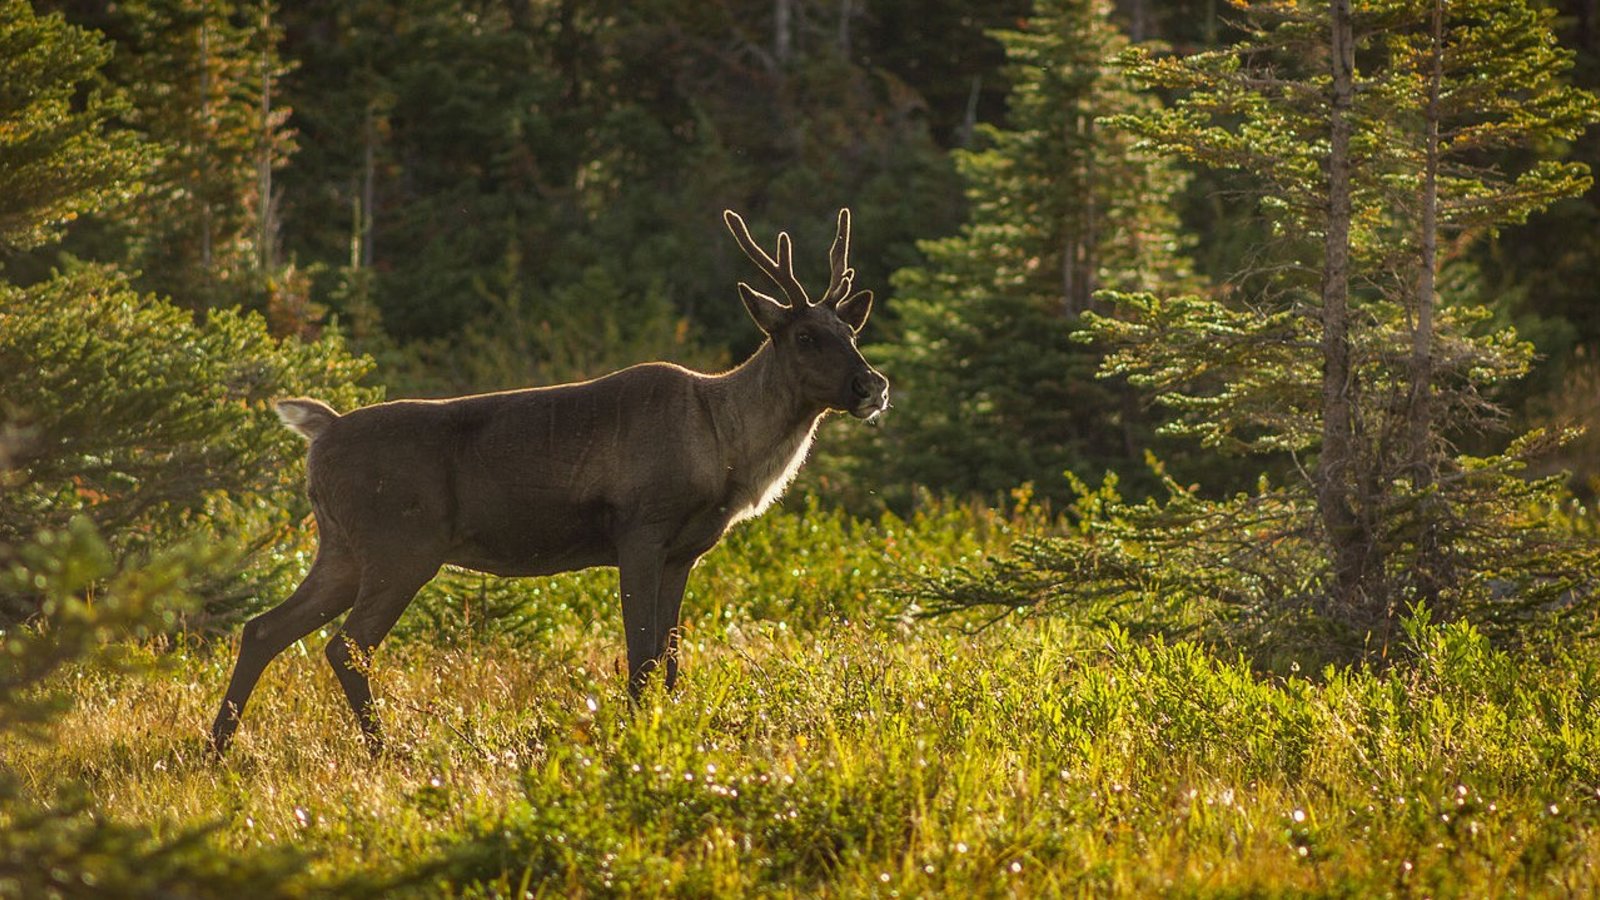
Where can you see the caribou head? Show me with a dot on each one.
(815, 340)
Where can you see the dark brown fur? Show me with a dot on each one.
(643, 469)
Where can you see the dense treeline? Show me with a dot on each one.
(1128, 247)
(493, 194)
(426, 168)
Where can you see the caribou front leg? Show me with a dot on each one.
(640, 564)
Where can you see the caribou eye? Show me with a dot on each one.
(804, 339)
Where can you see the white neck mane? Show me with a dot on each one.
(764, 484)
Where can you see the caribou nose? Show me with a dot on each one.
(861, 385)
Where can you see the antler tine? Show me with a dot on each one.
(840, 275)
(780, 270)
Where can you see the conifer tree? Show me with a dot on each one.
(204, 83)
(1442, 85)
(58, 158)
(1351, 344)
(1470, 81)
(150, 421)
(991, 389)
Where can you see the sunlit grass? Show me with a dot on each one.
(862, 758)
(822, 744)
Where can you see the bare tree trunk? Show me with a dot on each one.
(1069, 267)
(1091, 217)
(1336, 462)
(847, 10)
(1078, 256)
(203, 192)
(969, 120)
(1138, 21)
(368, 186)
(1422, 338)
(783, 31)
(1077, 227)
(355, 231)
(1420, 423)
(266, 214)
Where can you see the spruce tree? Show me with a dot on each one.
(1351, 343)
(203, 80)
(117, 406)
(58, 157)
(1471, 81)
(1401, 375)
(991, 390)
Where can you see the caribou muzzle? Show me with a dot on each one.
(869, 395)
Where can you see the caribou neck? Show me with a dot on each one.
(762, 420)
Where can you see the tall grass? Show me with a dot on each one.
(823, 744)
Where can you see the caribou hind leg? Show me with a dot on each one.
(383, 597)
(328, 590)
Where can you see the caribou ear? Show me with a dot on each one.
(854, 309)
(768, 313)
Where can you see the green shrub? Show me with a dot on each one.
(581, 330)
(807, 754)
(123, 408)
(1041, 758)
(61, 844)
(1248, 571)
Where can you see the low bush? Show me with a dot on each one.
(123, 408)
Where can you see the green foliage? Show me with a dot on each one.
(1246, 570)
(66, 566)
(527, 193)
(1508, 91)
(958, 773)
(832, 750)
(60, 843)
(802, 567)
(942, 50)
(126, 410)
(1244, 370)
(203, 84)
(579, 331)
(58, 156)
(438, 146)
(834, 759)
(990, 389)
(1545, 270)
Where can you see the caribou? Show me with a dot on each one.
(644, 469)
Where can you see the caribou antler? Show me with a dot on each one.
(780, 270)
(840, 275)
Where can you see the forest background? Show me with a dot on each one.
(1118, 250)
(482, 196)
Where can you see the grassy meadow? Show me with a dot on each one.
(825, 742)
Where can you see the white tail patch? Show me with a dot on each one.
(305, 417)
